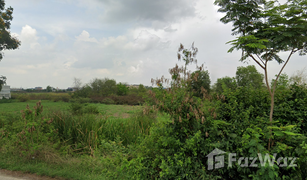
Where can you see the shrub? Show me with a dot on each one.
(56, 99)
(234, 121)
(80, 100)
(107, 101)
(23, 97)
(76, 108)
(4, 100)
(91, 109)
(27, 136)
(65, 99)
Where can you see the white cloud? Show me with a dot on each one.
(70, 61)
(85, 36)
(29, 37)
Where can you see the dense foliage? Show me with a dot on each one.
(7, 41)
(107, 91)
(249, 76)
(234, 120)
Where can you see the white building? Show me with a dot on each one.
(5, 92)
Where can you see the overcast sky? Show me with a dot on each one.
(130, 41)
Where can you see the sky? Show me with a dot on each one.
(130, 41)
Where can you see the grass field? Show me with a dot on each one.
(86, 146)
(122, 111)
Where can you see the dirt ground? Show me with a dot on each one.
(18, 175)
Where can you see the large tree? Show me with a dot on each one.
(2, 81)
(200, 82)
(265, 29)
(7, 41)
(225, 82)
(103, 87)
(249, 76)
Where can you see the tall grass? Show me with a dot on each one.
(84, 133)
(23, 97)
(55, 137)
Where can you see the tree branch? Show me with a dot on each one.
(292, 52)
(260, 59)
(256, 61)
(266, 77)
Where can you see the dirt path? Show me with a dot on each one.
(17, 175)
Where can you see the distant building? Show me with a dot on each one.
(38, 88)
(5, 92)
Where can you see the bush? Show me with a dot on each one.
(91, 109)
(65, 99)
(76, 108)
(235, 121)
(23, 98)
(4, 100)
(80, 100)
(27, 136)
(107, 101)
(56, 99)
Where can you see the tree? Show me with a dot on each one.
(2, 81)
(7, 42)
(267, 29)
(282, 83)
(142, 88)
(188, 56)
(249, 75)
(227, 82)
(49, 89)
(109, 87)
(122, 89)
(200, 82)
(103, 87)
(84, 92)
(77, 83)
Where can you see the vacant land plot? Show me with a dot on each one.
(122, 111)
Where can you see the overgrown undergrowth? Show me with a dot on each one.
(169, 140)
(64, 137)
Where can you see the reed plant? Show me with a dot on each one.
(23, 97)
(83, 133)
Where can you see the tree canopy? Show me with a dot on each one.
(200, 82)
(7, 41)
(225, 82)
(249, 75)
(103, 87)
(2, 81)
(265, 29)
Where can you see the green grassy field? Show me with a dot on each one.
(86, 146)
(122, 111)
(16, 107)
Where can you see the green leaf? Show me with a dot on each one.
(292, 133)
